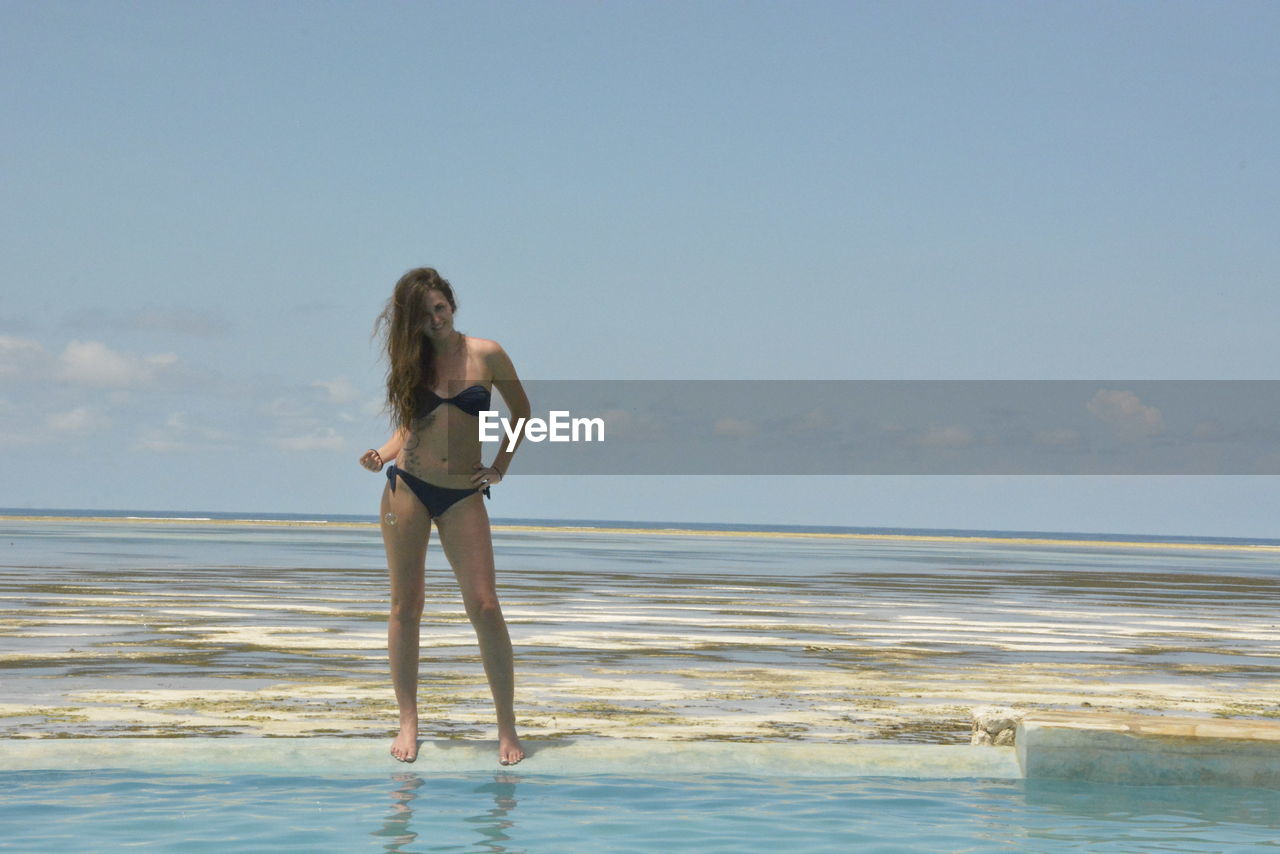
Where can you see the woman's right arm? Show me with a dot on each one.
(373, 460)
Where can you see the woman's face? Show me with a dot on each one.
(439, 316)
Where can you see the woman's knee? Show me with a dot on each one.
(407, 609)
(483, 608)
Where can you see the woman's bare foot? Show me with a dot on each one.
(405, 747)
(509, 750)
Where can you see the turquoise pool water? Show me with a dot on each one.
(513, 811)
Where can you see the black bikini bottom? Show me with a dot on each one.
(436, 499)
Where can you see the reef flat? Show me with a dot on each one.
(190, 628)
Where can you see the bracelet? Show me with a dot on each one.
(376, 454)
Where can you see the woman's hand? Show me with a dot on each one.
(485, 476)
(371, 460)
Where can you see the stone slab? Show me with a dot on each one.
(364, 757)
(1149, 749)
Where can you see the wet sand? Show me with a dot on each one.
(181, 627)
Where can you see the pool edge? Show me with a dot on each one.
(1160, 750)
(363, 756)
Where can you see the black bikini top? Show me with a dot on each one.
(471, 400)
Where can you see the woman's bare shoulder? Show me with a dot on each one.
(482, 345)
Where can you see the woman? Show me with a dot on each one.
(438, 381)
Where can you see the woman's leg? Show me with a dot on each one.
(406, 527)
(465, 538)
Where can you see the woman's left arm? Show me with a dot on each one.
(508, 385)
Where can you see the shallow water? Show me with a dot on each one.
(519, 812)
(129, 628)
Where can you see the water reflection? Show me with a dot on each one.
(1168, 814)
(397, 825)
(491, 825)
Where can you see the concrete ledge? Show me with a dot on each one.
(1149, 749)
(1099, 747)
(365, 757)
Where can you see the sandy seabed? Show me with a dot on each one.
(204, 628)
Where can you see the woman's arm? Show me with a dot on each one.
(373, 460)
(508, 385)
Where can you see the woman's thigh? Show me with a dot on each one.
(468, 545)
(406, 527)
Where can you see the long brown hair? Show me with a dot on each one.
(411, 360)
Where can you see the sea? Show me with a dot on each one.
(128, 623)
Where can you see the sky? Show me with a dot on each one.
(207, 205)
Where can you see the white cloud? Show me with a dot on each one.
(1207, 430)
(339, 390)
(94, 363)
(733, 427)
(286, 407)
(1126, 413)
(20, 356)
(180, 434)
(179, 423)
(82, 419)
(156, 443)
(954, 436)
(323, 440)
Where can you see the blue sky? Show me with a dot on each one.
(208, 203)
